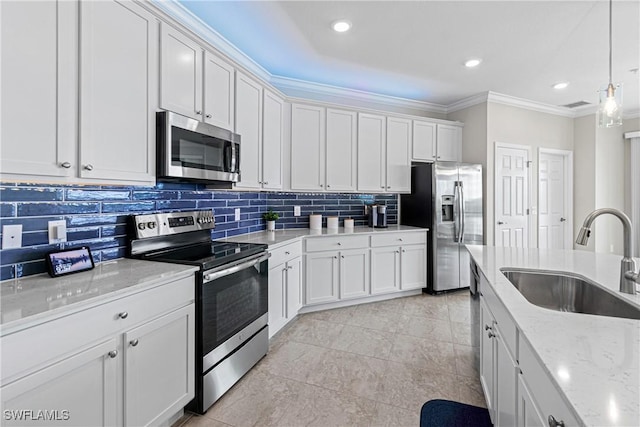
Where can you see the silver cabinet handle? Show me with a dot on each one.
(290, 268)
(321, 185)
(487, 328)
(382, 187)
(404, 250)
(266, 183)
(123, 315)
(400, 238)
(491, 334)
(287, 253)
(88, 167)
(65, 165)
(554, 423)
(113, 353)
(389, 188)
(339, 244)
(133, 342)
(199, 112)
(342, 256)
(335, 257)
(563, 219)
(397, 252)
(501, 222)
(208, 116)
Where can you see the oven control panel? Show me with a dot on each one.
(164, 224)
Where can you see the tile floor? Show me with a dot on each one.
(371, 365)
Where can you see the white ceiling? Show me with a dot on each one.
(416, 49)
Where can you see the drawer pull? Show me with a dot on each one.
(339, 244)
(400, 239)
(113, 353)
(555, 423)
(133, 343)
(123, 315)
(287, 253)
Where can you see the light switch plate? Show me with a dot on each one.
(11, 236)
(296, 211)
(237, 212)
(57, 231)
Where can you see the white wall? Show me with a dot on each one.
(514, 125)
(584, 177)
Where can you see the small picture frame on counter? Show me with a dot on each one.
(69, 261)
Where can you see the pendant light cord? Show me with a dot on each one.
(610, 37)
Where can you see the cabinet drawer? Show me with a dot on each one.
(60, 337)
(546, 396)
(506, 325)
(285, 253)
(398, 239)
(336, 243)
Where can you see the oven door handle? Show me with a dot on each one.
(208, 277)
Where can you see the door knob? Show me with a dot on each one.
(563, 219)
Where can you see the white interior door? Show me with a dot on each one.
(511, 195)
(554, 202)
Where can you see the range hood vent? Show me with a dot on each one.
(577, 104)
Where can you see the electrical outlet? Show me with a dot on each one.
(57, 231)
(11, 236)
(237, 212)
(296, 211)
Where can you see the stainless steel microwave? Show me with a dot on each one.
(190, 150)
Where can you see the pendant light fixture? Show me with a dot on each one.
(610, 106)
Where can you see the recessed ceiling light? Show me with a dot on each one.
(561, 85)
(341, 26)
(471, 63)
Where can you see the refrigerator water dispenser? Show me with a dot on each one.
(447, 208)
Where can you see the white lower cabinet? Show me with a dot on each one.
(140, 373)
(285, 293)
(80, 390)
(528, 413)
(321, 277)
(354, 273)
(385, 270)
(498, 371)
(413, 267)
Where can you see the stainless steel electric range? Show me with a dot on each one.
(231, 295)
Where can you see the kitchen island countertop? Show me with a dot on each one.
(594, 361)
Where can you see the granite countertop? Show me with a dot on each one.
(32, 300)
(281, 237)
(593, 360)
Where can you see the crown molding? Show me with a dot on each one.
(480, 98)
(631, 114)
(287, 83)
(198, 27)
(527, 104)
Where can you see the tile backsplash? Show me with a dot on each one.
(96, 216)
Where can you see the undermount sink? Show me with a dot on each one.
(565, 292)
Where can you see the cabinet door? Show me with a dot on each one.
(398, 155)
(219, 99)
(528, 413)
(506, 384)
(249, 126)
(277, 306)
(307, 147)
(424, 141)
(487, 372)
(449, 143)
(341, 150)
(272, 139)
(159, 368)
(354, 273)
(38, 48)
(385, 270)
(117, 103)
(180, 74)
(371, 150)
(82, 388)
(321, 273)
(294, 287)
(413, 265)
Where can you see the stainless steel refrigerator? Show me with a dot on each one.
(446, 197)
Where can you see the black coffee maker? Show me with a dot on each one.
(378, 216)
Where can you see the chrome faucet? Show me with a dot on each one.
(628, 276)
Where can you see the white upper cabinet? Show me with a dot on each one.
(180, 74)
(117, 103)
(37, 66)
(398, 155)
(307, 147)
(371, 152)
(436, 142)
(449, 143)
(341, 150)
(272, 140)
(424, 141)
(249, 127)
(219, 99)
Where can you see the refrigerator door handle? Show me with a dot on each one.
(461, 210)
(457, 224)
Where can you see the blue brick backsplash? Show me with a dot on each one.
(96, 216)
